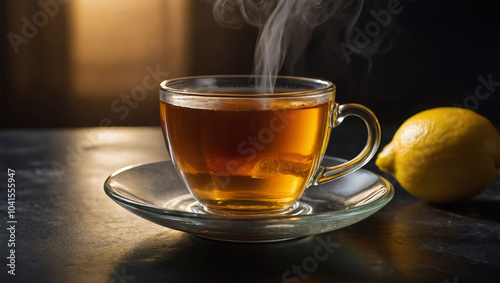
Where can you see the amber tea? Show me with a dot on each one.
(235, 157)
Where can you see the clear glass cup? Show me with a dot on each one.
(242, 150)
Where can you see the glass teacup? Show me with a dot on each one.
(242, 150)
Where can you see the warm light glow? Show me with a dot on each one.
(113, 41)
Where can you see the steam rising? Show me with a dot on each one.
(285, 28)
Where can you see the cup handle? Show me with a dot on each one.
(339, 112)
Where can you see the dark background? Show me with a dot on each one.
(432, 54)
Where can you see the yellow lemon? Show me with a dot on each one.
(443, 154)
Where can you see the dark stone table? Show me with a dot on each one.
(68, 230)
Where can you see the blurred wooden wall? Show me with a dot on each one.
(35, 66)
(86, 63)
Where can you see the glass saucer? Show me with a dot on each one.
(155, 192)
